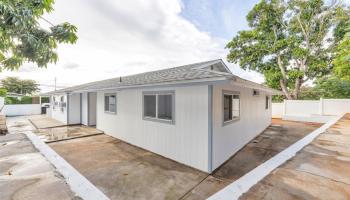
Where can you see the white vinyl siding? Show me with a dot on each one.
(185, 140)
(230, 137)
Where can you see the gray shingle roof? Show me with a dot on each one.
(196, 71)
(175, 74)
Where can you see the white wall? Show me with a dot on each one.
(74, 108)
(301, 107)
(254, 118)
(92, 108)
(335, 106)
(22, 109)
(320, 111)
(84, 111)
(57, 113)
(186, 141)
(277, 110)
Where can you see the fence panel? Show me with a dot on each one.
(302, 107)
(277, 110)
(336, 106)
(22, 109)
(310, 110)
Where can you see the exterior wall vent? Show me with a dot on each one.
(256, 92)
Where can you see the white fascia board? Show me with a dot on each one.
(207, 81)
(249, 84)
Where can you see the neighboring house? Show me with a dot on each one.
(198, 114)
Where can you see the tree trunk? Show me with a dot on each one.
(285, 89)
(298, 83)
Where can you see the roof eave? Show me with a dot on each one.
(163, 84)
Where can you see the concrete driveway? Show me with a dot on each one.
(24, 172)
(123, 171)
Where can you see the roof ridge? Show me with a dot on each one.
(137, 74)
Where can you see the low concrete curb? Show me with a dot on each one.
(77, 182)
(243, 184)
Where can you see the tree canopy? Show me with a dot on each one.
(22, 39)
(19, 86)
(290, 42)
(342, 58)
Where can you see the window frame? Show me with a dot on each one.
(157, 93)
(234, 119)
(267, 102)
(104, 103)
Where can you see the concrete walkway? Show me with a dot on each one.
(320, 171)
(24, 172)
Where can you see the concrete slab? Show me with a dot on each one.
(277, 137)
(24, 172)
(42, 121)
(206, 188)
(319, 171)
(244, 161)
(66, 132)
(315, 161)
(123, 171)
(289, 184)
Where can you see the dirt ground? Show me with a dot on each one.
(123, 171)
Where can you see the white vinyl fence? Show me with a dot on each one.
(310, 110)
(21, 109)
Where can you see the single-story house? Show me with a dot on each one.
(198, 114)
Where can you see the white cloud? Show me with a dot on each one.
(118, 38)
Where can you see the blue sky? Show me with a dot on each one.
(119, 38)
(221, 18)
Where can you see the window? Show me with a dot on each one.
(256, 93)
(231, 107)
(110, 103)
(158, 106)
(150, 106)
(267, 102)
(165, 106)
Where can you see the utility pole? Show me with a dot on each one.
(55, 83)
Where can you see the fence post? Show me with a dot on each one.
(321, 106)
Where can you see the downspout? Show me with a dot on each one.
(88, 108)
(67, 108)
(81, 108)
(210, 128)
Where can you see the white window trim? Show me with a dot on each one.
(156, 119)
(234, 119)
(104, 103)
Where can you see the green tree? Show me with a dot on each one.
(341, 61)
(22, 39)
(16, 85)
(333, 87)
(286, 42)
(3, 92)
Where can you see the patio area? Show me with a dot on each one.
(51, 130)
(124, 171)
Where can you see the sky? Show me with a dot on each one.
(118, 38)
